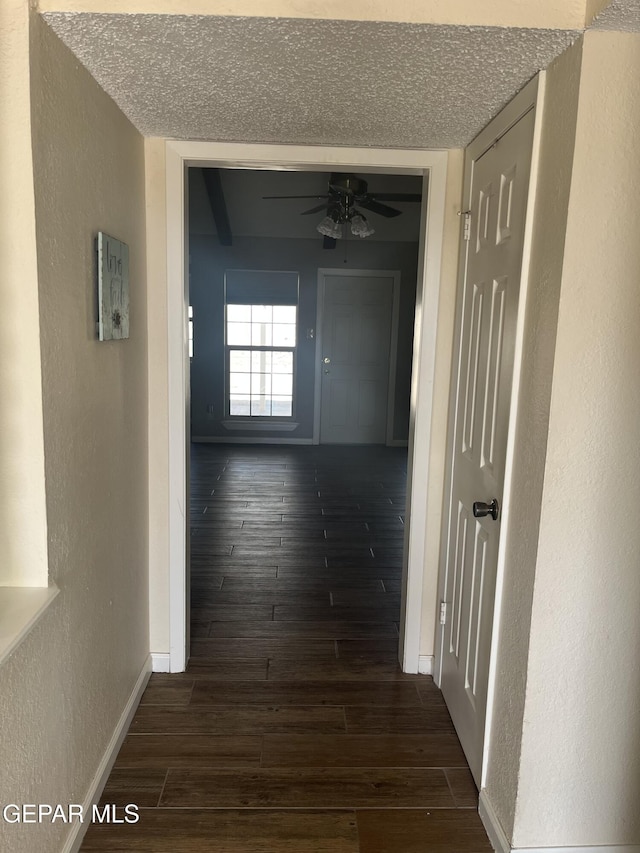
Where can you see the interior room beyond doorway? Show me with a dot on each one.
(255, 249)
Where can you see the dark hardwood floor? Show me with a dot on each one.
(293, 729)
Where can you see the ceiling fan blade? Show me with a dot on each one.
(329, 243)
(317, 209)
(375, 207)
(318, 195)
(397, 196)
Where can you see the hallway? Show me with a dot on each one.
(293, 728)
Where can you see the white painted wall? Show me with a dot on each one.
(547, 253)
(65, 687)
(23, 544)
(580, 762)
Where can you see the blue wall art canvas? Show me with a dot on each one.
(113, 288)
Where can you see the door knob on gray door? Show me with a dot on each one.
(481, 509)
(327, 360)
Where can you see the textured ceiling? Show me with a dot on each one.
(623, 15)
(307, 81)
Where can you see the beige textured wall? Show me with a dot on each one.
(580, 763)
(155, 178)
(65, 687)
(547, 252)
(594, 7)
(23, 544)
(440, 414)
(552, 14)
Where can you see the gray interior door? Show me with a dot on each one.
(356, 339)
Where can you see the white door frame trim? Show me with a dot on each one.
(323, 272)
(432, 165)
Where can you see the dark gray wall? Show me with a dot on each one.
(208, 262)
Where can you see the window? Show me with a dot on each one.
(261, 345)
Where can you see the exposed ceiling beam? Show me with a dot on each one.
(213, 185)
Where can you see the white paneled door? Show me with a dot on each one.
(356, 346)
(485, 334)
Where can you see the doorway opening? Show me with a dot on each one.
(431, 165)
(289, 545)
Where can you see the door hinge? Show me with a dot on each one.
(443, 612)
(466, 233)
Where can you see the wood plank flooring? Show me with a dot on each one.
(293, 729)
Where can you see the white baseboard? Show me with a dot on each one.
(615, 848)
(492, 825)
(160, 662)
(500, 844)
(234, 439)
(425, 664)
(74, 840)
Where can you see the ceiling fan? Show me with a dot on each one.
(343, 194)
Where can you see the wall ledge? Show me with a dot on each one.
(21, 608)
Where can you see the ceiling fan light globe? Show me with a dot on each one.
(360, 227)
(330, 228)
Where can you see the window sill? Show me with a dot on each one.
(20, 609)
(261, 426)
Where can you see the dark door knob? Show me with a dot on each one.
(481, 509)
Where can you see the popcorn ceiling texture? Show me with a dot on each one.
(307, 81)
(622, 15)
